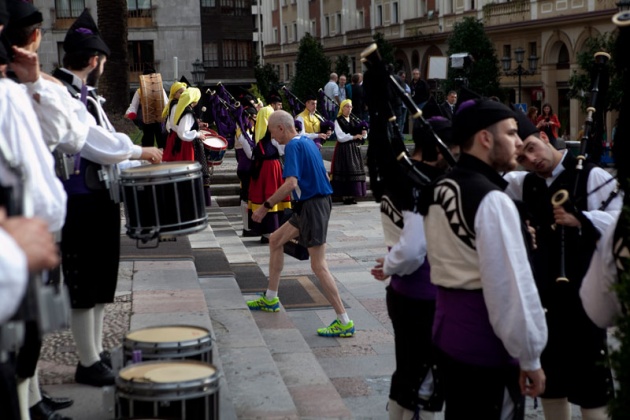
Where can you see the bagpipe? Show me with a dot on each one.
(389, 163)
(228, 114)
(297, 106)
(359, 124)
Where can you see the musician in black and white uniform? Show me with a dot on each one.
(489, 323)
(576, 353)
(90, 243)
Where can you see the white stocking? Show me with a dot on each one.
(99, 318)
(599, 413)
(22, 391)
(82, 325)
(34, 395)
(556, 408)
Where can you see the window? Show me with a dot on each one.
(395, 12)
(285, 33)
(275, 35)
(235, 8)
(507, 51)
(327, 29)
(360, 19)
(563, 58)
(379, 15)
(60, 54)
(533, 51)
(287, 73)
(314, 27)
(67, 9)
(138, 8)
(210, 54)
(295, 34)
(208, 4)
(338, 27)
(354, 64)
(140, 53)
(237, 53)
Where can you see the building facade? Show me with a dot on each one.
(555, 31)
(169, 35)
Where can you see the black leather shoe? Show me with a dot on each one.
(248, 233)
(96, 375)
(41, 411)
(54, 403)
(264, 239)
(106, 358)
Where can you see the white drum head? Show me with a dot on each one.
(167, 334)
(215, 143)
(167, 372)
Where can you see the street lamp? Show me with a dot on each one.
(519, 56)
(198, 72)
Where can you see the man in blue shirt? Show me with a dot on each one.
(305, 178)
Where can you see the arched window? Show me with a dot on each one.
(563, 58)
(415, 59)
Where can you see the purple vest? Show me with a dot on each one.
(416, 285)
(244, 163)
(462, 329)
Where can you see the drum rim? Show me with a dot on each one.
(169, 344)
(161, 170)
(132, 386)
(208, 146)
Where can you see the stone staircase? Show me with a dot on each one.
(225, 185)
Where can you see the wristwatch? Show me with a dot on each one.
(267, 205)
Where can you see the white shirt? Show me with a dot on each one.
(409, 253)
(331, 89)
(597, 178)
(598, 298)
(342, 136)
(59, 116)
(135, 102)
(20, 133)
(508, 285)
(13, 276)
(103, 145)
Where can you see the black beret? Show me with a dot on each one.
(310, 97)
(83, 35)
(23, 14)
(525, 126)
(475, 115)
(273, 99)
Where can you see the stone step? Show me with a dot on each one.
(261, 353)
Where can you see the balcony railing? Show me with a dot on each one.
(501, 13)
(141, 18)
(136, 69)
(64, 18)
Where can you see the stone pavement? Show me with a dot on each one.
(273, 365)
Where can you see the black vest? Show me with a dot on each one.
(578, 247)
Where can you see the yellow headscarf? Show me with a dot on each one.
(343, 103)
(190, 95)
(176, 87)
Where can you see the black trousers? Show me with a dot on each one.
(152, 134)
(477, 391)
(9, 403)
(412, 320)
(28, 355)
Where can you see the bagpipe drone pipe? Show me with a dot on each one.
(297, 106)
(390, 167)
(228, 114)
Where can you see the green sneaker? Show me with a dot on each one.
(262, 304)
(337, 329)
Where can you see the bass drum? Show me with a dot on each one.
(174, 389)
(163, 200)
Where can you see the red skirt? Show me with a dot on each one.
(186, 151)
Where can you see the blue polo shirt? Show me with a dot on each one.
(303, 160)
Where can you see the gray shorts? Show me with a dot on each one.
(312, 220)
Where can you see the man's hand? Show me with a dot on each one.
(377, 271)
(25, 64)
(532, 382)
(259, 214)
(32, 236)
(152, 154)
(532, 233)
(564, 218)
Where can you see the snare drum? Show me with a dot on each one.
(169, 342)
(163, 200)
(214, 146)
(174, 389)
